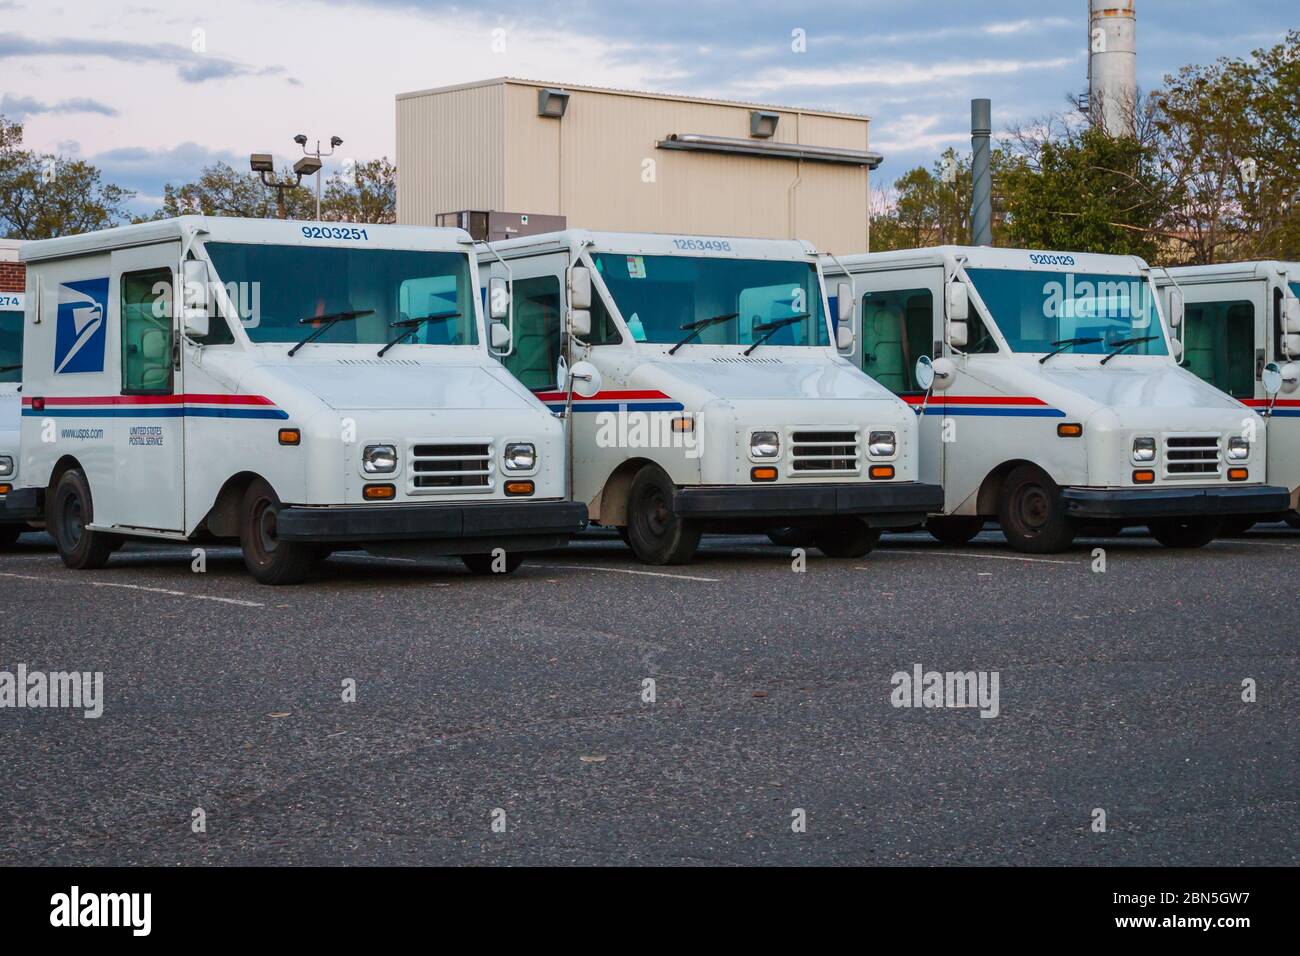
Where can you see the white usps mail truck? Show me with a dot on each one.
(300, 387)
(703, 391)
(1051, 397)
(1241, 333)
(12, 304)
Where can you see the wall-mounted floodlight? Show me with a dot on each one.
(552, 103)
(301, 139)
(762, 124)
(307, 166)
(335, 141)
(261, 163)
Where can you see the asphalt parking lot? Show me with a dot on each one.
(1119, 690)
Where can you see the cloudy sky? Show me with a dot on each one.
(152, 91)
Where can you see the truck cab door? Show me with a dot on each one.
(149, 447)
(900, 318)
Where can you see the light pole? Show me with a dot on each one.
(301, 140)
(263, 163)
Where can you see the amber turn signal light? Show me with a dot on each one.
(517, 488)
(1238, 474)
(881, 472)
(290, 436)
(5, 489)
(379, 492)
(1144, 476)
(766, 473)
(1069, 430)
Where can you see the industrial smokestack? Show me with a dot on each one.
(1112, 66)
(981, 196)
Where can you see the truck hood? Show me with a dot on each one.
(738, 378)
(1163, 386)
(357, 386)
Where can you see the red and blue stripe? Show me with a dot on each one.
(155, 406)
(614, 400)
(1282, 408)
(986, 406)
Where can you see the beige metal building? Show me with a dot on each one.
(643, 162)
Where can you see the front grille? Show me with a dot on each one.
(1192, 456)
(451, 466)
(824, 452)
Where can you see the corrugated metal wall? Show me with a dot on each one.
(451, 149)
(599, 167)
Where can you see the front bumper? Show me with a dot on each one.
(893, 502)
(22, 505)
(1139, 504)
(478, 525)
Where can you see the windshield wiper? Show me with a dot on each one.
(1064, 344)
(413, 325)
(769, 329)
(699, 325)
(328, 322)
(1123, 344)
(10, 368)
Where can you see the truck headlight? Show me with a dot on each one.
(1144, 449)
(1238, 449)
(882, 444)
(764, 444)
(379, 459)
(6, 466)
(520, 456)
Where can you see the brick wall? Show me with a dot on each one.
(13, 277)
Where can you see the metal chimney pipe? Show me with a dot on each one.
(981, 197)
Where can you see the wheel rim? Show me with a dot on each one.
(655, 516)
(73, 520)
(1033, 507)
(264, 522)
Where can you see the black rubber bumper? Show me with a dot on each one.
(808, 501)
(441, 522)
(1138, 504)
(22, 505)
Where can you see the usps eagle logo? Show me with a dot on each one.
(81, 327)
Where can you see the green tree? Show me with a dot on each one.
(222, 190)
(43, 195)
(369, 194)
(1084, 191)
(932, 206)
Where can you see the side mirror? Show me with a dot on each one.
(579, 323)
(924, 372)
(580, 288)
(957, 301)
(1291, 345)
(844, 337)
(1271, 378)
(1291, 314)
(844, 303)
(586, 379)
(500, 336)
(1290, 377)
(1177, 308)
(498, 299)
(194, 298)
(958, 332)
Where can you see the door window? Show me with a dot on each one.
(537, 332)
(147, 332)
(896, 330)
(1219, 345)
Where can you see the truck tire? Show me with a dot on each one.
(850, 538)
(268, 559)
(954, 529)
(792, 537)
(69, 513)
(1032, 512)
(482, 563)
(1185, 532)
(9, 534)
(1237, 525)
(655, 532)
(1292, 519)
